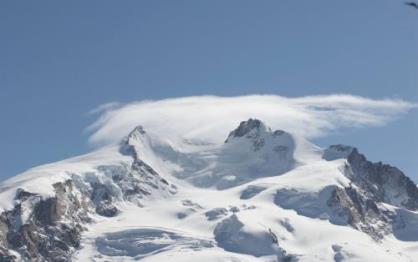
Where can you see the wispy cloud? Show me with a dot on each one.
(211, 117)
(105, 107)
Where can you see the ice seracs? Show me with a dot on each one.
(260, 195)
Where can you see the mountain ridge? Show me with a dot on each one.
(260, 185)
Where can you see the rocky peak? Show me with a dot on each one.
(339, 151)
(135, 137)
(252, 128)
(255, 133)
(381, 182)
(136, 133)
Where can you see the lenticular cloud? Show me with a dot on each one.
(210, 118)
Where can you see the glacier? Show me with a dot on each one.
(261, 195)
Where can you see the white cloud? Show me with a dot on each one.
(105, 107)
(212, 118)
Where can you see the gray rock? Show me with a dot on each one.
(381, 182)
(43, 237)
(51, 228)
(216, 213)
(245, 127)
(106, 209)
(251, 191)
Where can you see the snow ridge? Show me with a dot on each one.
(261, 195)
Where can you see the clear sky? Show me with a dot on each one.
(61, 59)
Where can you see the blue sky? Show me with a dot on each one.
(59, 60)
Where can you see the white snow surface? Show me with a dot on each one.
(41, 179)
(226, 205)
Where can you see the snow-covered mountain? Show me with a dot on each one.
(262, 195)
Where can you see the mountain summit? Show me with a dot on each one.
(262, 195)
(249, 128)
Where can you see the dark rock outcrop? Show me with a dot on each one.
(35, 230)
(363, 214)
(49, 229)
(249, 128)
(379, 182)
(349, 206)
(362, 204)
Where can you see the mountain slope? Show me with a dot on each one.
(262, 195)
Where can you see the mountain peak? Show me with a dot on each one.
(138, 130)
(334, 152)
(250, 128)
(251, 197)
(137, 134)
(135, 137)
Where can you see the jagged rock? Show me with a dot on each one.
(351, 207)
(341, 206)
(106, 209)
(250, 128)
(41, 236)
(5, 255)
(381, 182)
(22, 194)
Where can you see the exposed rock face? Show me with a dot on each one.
(39, 229)
(259, 134)
(35, 227)
(343, 206)
(381, 182)
(361, 213)
(251, 191)
(249, 128)
(372, 185)
(252, 129)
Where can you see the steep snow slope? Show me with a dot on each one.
(262, 195)
(250, 152)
